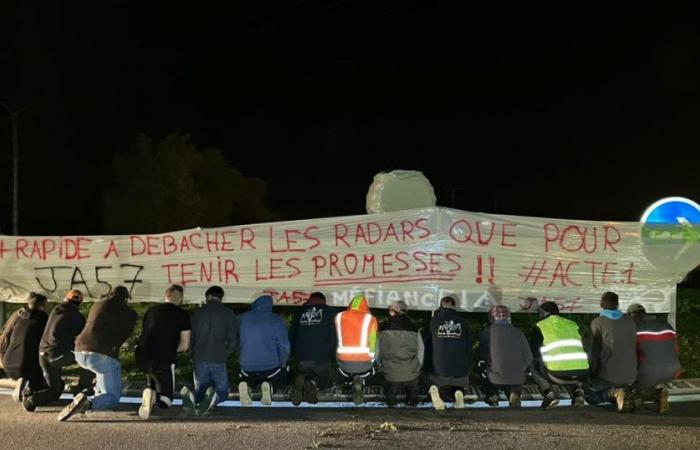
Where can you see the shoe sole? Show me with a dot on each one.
(578, 402)
(515, 402)
(554, 403)
(147, 402)
(244, 394)
(298, 391)
(438, 404)
(188, 406)
(357, 394)
(459, 400)
(266, 394)
(664, 407)
(17, 392)
(71, 408)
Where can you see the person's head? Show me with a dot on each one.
(36, 301)
(499, 314)
(74, 296)
(448, 302)
(609, 300)
(636, 311)
(174, 294)
(547, 309)
(214, 294)
(398, 308)
(317, 298)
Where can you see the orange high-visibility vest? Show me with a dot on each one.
(357, 332)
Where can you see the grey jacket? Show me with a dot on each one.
(613, 353)
(214, 333)
(400, 350)
(506, 352)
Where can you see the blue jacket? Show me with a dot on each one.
(264, 344)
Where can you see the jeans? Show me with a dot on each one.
(210, 374)
(108, 382)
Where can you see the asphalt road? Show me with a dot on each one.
(299, 428)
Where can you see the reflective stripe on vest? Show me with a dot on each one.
(363, 347)
(562, 349)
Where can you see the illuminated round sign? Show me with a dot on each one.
(670, 233)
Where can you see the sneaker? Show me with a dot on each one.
(492, 400)
(578, 399)
(19, 387)
(79, 405)
(514, 400)
(209, 403)
(266, 390)
(298, 390)
(459, 400)
(357, 394)
(244, 394)
(550, 400)
(147, 401)
(434, 393)
(310, 392)
(188, 405)
(664, 407)
(623, 401)
(28, 401)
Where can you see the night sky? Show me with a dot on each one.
(584, 112)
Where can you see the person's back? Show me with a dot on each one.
(509, 354)
(214, 328)
(400, 349)
(614, 348)
(109, 324)
(65, 322)
(264, 343)
(450, 344)
(657, 352)
(21, 357)
(313, 344)
(264, 351)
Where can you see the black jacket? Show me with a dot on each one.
(214, 333)
(21, 344)
(108, 325)
(448, 344)
(313, 336)
(65, 323)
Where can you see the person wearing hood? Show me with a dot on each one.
(19, 345)
(313, 341)
(109, 324)
(214, 337)
(356, 353)
(505, 357)
(56, 351)
(448, 348)
(559, 357)
(657, 356)
(400, 354)
(264, 351)
(612, 356)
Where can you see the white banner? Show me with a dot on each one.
(418, 256)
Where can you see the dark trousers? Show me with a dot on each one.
(161, 378)
(394, 389)
(321, 373)
(52, 367)
(277, 378)
(447, 386)
(598, 391)
(491, 390)
(539, 375)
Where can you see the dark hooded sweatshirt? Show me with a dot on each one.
(448, 344)
(65, 323)
(313, 335)
(264, 344)
(400, 349)
(214, 333)
(22, 338)
(109, 324)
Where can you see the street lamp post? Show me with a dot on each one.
(14, 114)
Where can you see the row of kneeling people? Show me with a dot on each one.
(630, 355)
